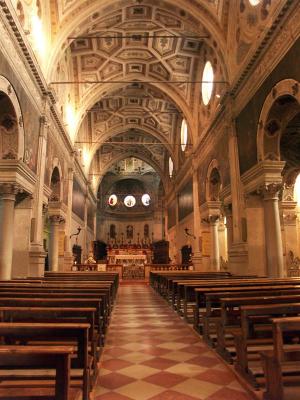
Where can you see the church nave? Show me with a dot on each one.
(152, 354)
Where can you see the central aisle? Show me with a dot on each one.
(152, 354)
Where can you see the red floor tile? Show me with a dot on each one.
(114, 380)
(165, 379)
(204, 361)
(160, 363)
(171, 395)
(229, 394)
(215, 376)
(112, 396)
(115, 364)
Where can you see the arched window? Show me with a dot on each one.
(55, 185)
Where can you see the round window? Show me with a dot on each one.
(129, 201)
(171, 167)
(146, 200)
(183, 135)
(112, 201)
(207, 82)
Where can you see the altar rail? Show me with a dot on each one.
(151, 267)
(119, 268)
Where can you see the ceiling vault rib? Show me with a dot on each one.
(140, 37)
(143, 112)
(135, 143)
(135, 81)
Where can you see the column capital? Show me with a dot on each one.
(56, 219)
(227, 208)
(9, 189)
(270, 191)
(213, 219)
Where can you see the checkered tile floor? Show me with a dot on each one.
(151, 354)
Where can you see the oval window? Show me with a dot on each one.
(207, 83)
(112, 201)
(171, 167)
(146, 200)
(254, 2)
(129, 201)
(183, 135)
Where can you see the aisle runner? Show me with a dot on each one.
(152, 354)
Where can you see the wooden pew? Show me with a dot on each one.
(41, 357)
(230, 322)
(38, 332)
(274, 361)
(255, 335)
(102, 290)
(221, 307)
(57, 315)
(101, 323)
(161, 279)
(236, 286)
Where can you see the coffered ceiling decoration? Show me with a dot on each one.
(133, 66)
(132, 107)
(144, 40)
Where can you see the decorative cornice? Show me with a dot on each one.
(210, 209)
(264, 173)
(265, 41)
(17, 172)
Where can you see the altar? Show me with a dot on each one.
(131, 260)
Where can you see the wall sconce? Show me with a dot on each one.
(76, 234)
(186, 230)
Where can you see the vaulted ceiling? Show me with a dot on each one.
(133, 67)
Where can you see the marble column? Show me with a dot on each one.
(274, 249)
(55, 220)
(229, 226)
(7, 212)
(85, 229)
(197, 257)
(215, 254)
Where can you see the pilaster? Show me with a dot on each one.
(37, 252)
(8, 193)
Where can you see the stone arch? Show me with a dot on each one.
(12, 136)
(213, 185)
(56, 182)
(115, 132)
(161, 174)
(267, 126)
(95, 93)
